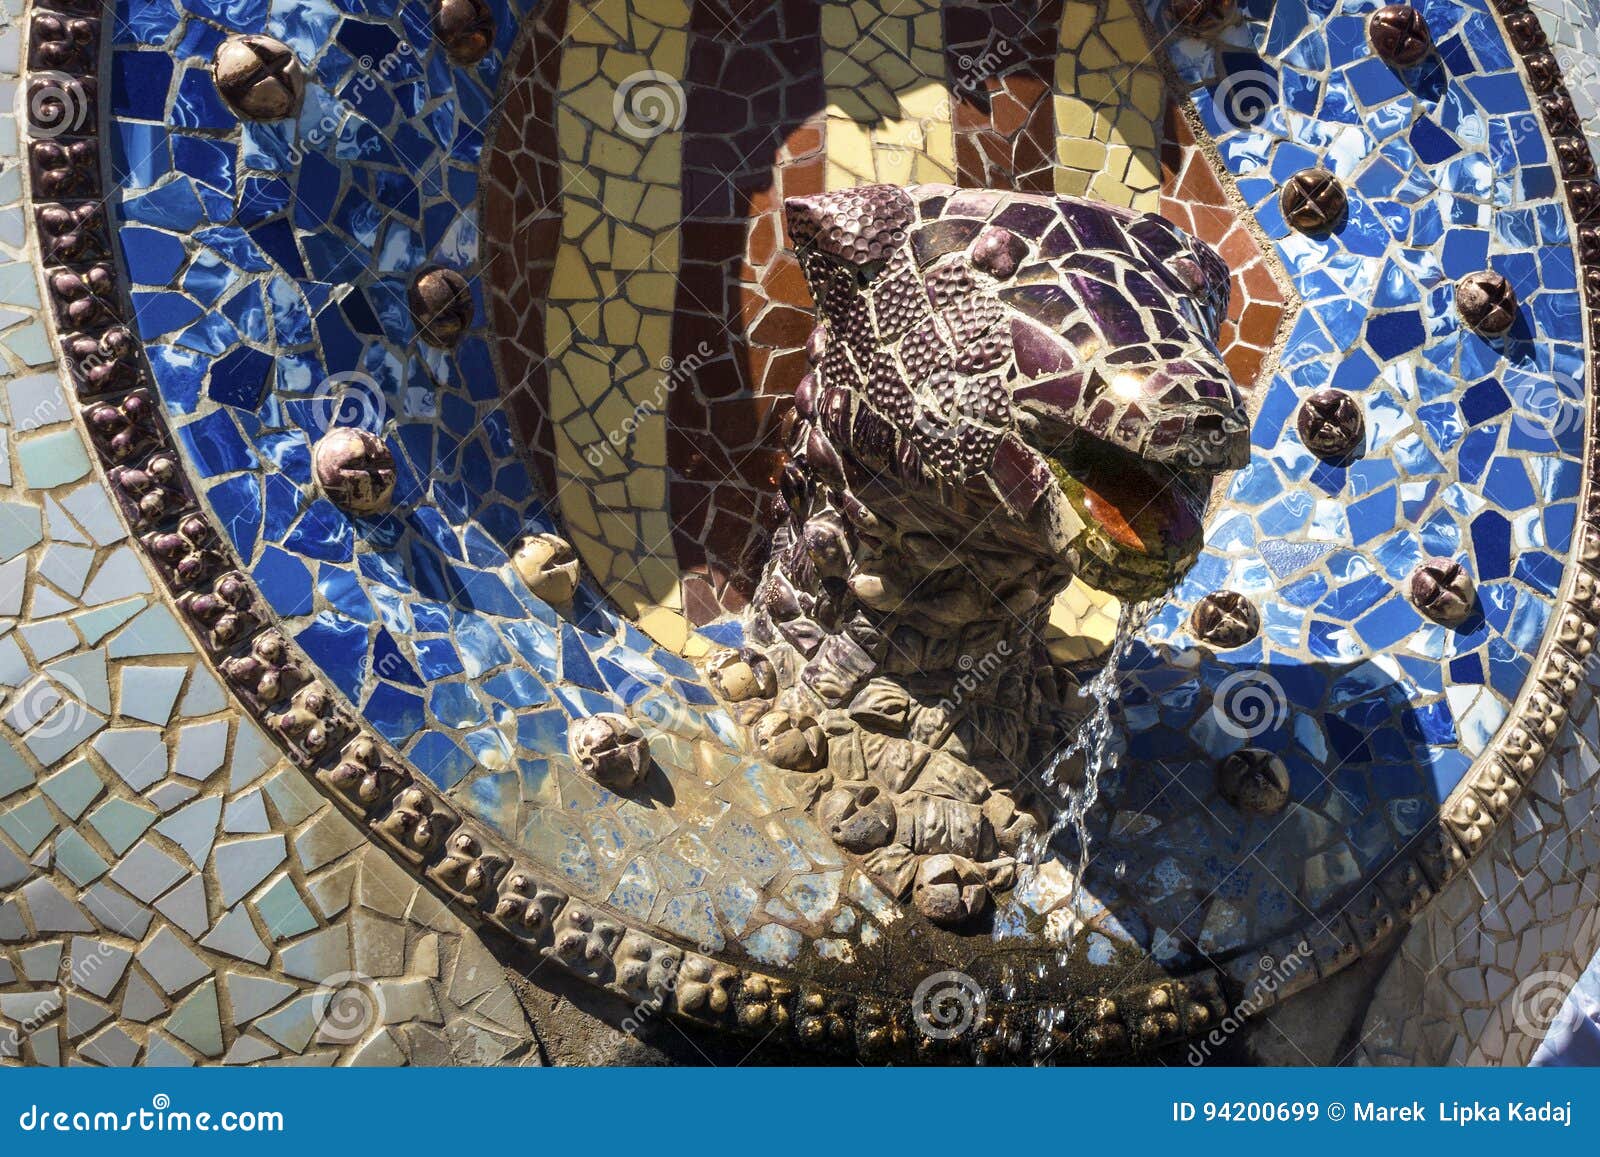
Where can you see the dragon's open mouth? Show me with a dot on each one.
(1142, 520)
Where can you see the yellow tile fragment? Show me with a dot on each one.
(668, 628)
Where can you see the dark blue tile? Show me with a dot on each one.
(240, 378)
(285, 581)
(215, 445)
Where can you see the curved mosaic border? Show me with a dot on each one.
(483, 880)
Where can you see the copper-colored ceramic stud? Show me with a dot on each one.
(260, 77)
(355, 470)
(1487, 303)
(1225, 620)
(1312, 200)
(1399, 35)
(1442, 589)
(465, 28)
(441, 305)
(1331, 425)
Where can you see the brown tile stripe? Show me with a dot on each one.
(1192, 197)
(522, 229)
(1000, 68)
(752, 136)
(1001, 71)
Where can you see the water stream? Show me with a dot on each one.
(1094, 740)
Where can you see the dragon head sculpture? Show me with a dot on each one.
(1006, 391)
(1055, 356)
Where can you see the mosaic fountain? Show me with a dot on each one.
(967, 532)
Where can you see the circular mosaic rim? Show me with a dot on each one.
(485, 881)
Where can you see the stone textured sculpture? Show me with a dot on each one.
(611, 750)
(1006, 390)
(548, 564)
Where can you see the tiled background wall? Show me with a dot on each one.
(172, 892)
